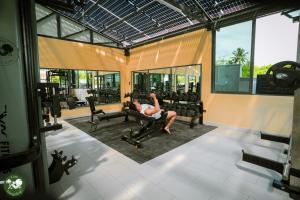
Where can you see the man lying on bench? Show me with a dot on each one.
(154, 111)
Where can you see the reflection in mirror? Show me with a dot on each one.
(76, 85)
(181, 79)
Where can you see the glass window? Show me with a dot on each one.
(275, 41)
(69, 27)
(83, 36)
(41, 11)
(47, 26)
(232, 58)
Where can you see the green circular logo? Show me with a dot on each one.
(14, 185)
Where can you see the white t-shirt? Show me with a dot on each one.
(145, 106)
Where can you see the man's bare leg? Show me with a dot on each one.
(170, 120)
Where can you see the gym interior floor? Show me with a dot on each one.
(206, 168)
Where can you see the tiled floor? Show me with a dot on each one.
(207, 168)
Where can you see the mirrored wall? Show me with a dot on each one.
(180, 79)
(76, 85)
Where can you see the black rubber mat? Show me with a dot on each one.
(110, 132)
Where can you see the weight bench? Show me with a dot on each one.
(108, 116)
(145, 129)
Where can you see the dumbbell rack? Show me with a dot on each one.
(185, 105)
(186, 109)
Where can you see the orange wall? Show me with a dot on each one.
(267, 113)
(54, 53)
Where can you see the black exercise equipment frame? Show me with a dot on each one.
(145, 130)
(276, 166)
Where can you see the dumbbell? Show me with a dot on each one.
(185, 97)
(191, 112)
(174, 96)
(178, 109)
(184, 110)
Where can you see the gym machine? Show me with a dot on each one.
(288, 78)
(282, 78)
(49, 94)
(64, 79)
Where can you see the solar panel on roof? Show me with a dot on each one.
(130, 21)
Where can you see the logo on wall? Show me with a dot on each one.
(14, 185)
(8, 52)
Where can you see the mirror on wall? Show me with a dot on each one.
(180, 79)
(76, 85)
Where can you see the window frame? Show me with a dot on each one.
(253, 36)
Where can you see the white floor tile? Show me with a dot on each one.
(207, 168)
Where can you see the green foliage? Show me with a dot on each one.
(257, 70)
(246, 71)
(239, 56)
(261, 69)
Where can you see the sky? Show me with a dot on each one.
(276, 39)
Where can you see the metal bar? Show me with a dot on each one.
(72, 34)
(213, 61)
(104, 43)
(181, 8)
(71, 40)
(87, 27)
(68, 7)
(298, 45)
(204, 11)
(88, 10)
(91, 36)
(295, 172)
(263, 162)
(128, 16)
(275, 138)
(219, 4)
(19, 159)
(30, 67)
(252, 55)
(58, 22)
(244, 15)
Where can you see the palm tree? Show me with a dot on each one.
(239, 56)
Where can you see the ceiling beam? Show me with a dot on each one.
(181, 8)
(72, 34)
(87, 27)
(203, 11)
(87, 11)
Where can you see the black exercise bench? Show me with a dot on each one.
(108, 116)
(145, 129)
